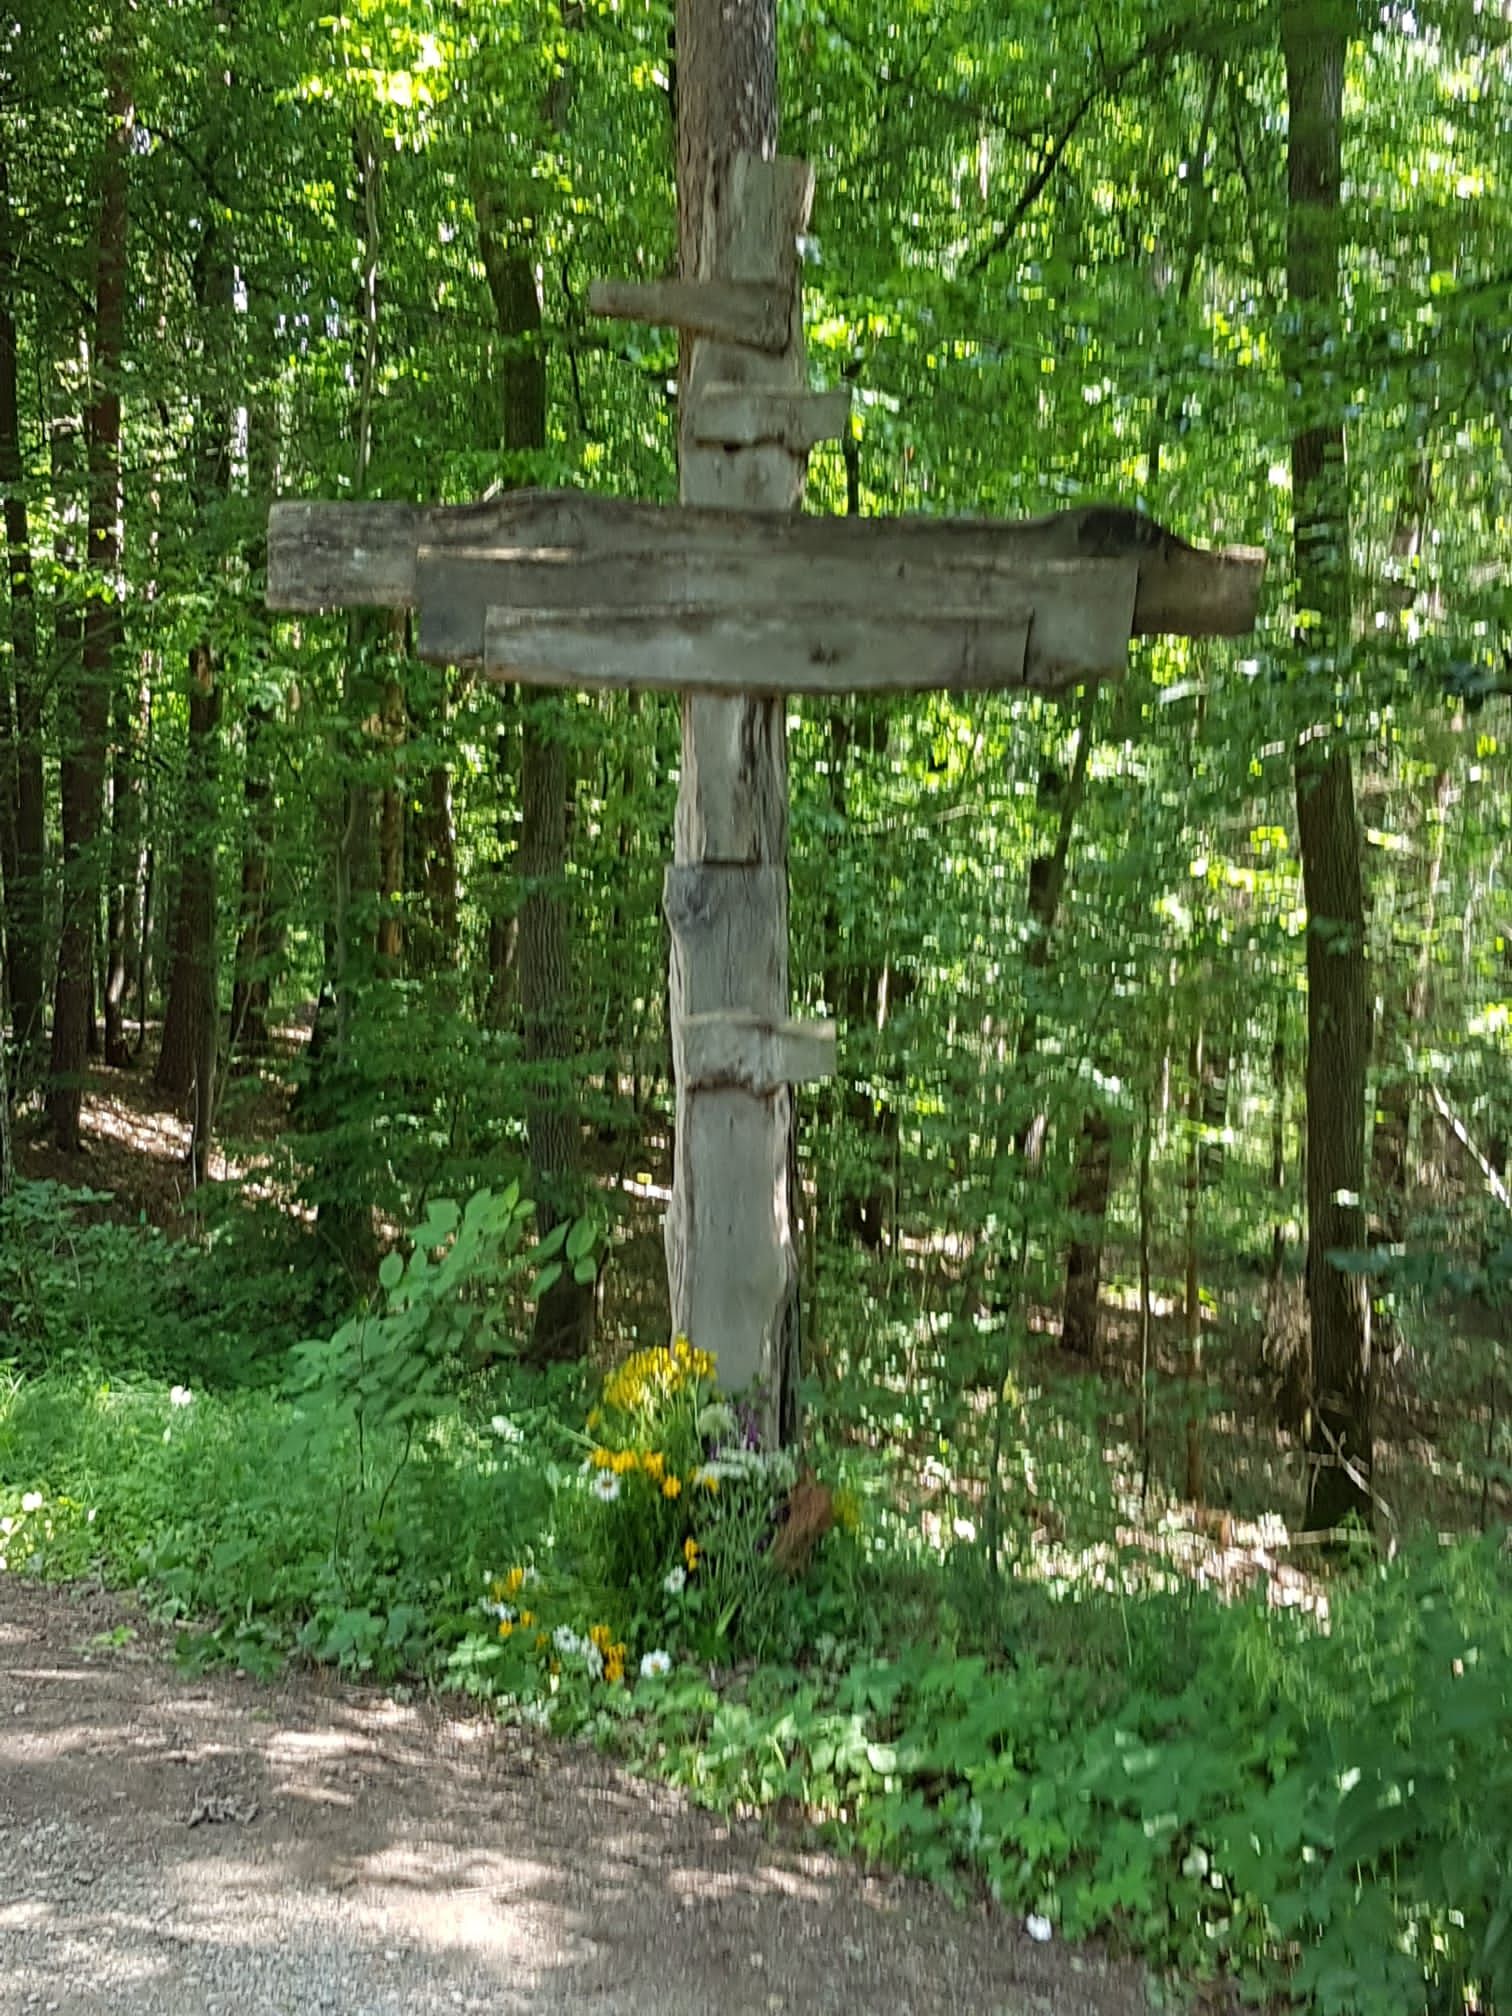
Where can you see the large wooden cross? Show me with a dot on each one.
(730, 595)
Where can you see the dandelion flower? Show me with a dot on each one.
(606, 1487)
(179, 1396)
(656, 1665)
(31, 1501)
(671, 1487)
(676, 1582)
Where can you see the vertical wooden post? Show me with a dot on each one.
(732, 1263)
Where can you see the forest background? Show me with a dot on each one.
(1157, 1223)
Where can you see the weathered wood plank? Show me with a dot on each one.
(325, 556)
(1081, 611)
(728, 1047)
(804, 650)
(343, 556)
(740, 416)
(757, 313)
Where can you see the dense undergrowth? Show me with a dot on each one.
(1314, 1801)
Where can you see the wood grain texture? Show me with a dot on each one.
(742, 416)
(754, 313)
(330, 556)
(730, 1048)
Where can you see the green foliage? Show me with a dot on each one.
(443, 1314)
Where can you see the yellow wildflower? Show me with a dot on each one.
(505, 1627)
(514, 1581)
(690, 1553)
(527, 1618)
(602, 1459)
(624, 1460)
(653, 1463)
(602, 1636)
(671, 1486)
(543, 1639)
(594, 1418)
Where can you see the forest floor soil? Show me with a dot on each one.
(195, 1845)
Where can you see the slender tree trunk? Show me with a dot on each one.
(432, 838)
(1314, 42)
(87, 697)
(256, 926)
(1192, 1300)
(1278, 1143)
(1390, 1143)
(563, 1325)
(251, 985)
(181, 1067)
(124, 894)
(25, 864)
(1090, 1192)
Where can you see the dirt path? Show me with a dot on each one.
(189, 1847)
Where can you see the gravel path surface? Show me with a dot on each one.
(213, 1847)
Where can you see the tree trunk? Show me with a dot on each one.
(251, 986)
(26, 855)
(1192, 1185)
(86, 697)
(1090, 1192)
(181, 1067)
(123, 901)
(1391, 1141)
(257, 934)
(732, 1261)
(1314, 43)
(563, 1323)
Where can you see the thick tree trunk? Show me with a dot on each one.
(541, 949)
(182, 1069)
(1314, 42)
(25, 862)
(86, 706)
(732, 1261)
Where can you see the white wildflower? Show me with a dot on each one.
(501, 1611)
(1039, 1928)
(716, 1420)
(593, 1659)
(32, 1502)
(1196, 1863)
(676, 1582)
(606, 1487)
(179, 1396)
(656, 1665)
(505, 1429)
(567, 1641)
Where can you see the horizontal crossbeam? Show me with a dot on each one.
(557, 551)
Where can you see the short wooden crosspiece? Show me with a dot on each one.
(730, 595)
